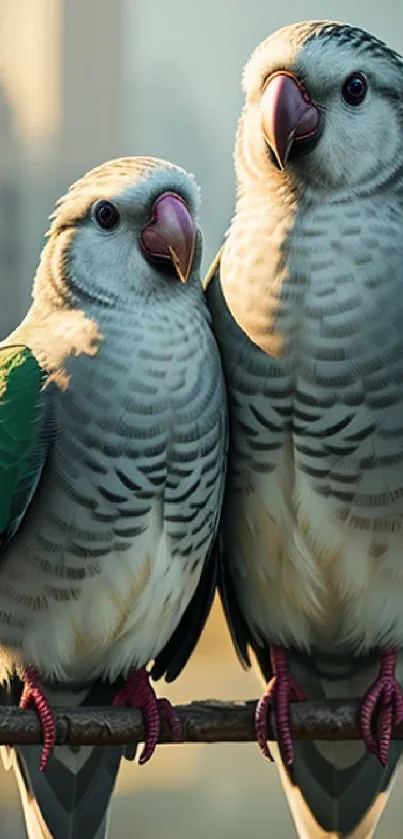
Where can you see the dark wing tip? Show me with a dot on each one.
(176, 653)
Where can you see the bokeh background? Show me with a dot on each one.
(82, 81)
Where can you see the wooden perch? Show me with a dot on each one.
(202, 722)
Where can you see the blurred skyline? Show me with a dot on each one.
(83, 81)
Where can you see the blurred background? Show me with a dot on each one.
(82, 81)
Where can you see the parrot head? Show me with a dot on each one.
(324, 103)
(127, 228)
(322, 123)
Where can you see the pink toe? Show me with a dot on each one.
(382, 707)
(149, 749)
(399, 706)
(121, 700)
(138, 693)
(33, 693)
(365, 719)
(261, 719)
(172, 719)
(297, 694)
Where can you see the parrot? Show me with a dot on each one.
(306, 296)
(113, 447)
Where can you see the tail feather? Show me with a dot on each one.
(336, 790)
(338, 807)
(71, 798)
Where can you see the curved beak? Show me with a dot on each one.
(288, 115)
(171, 234)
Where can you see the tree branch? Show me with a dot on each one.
(202, 722)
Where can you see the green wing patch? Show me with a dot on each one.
(21, 380)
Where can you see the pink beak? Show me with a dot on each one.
(171, 234)
(288, 115)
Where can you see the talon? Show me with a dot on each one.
(172, 719)
(280, 692)
(382, 708)
(261, 719)
(32, 692)
(138, 693)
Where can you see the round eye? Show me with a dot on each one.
(106, 215)
(355, 89)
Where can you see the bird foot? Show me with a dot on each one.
(33, 692)
(382, 708)
(138, 693)
(280, 692)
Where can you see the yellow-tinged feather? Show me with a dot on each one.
(85, 645)
(105, 181)
(251, 282)
(212, 269)
(54, 328)
(124, 603)
(55, 336)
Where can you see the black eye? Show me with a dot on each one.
(106, 215)
(355, 89)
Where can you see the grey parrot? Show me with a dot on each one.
(113, 438)
(306, 296)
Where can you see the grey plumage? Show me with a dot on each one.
(306, 298)
(111, 565)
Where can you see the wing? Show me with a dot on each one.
(22, 441)
(176, 653)
(240, 631)
(201, 510)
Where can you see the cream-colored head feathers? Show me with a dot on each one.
(105, 181)
(356, 149)
(54, 327)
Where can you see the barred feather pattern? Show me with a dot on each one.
(113, 545)
(307, 308)
(315, 483)
(312, 523)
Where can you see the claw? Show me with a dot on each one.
(32, 692)
(261, 719)
(280, 692)
(138, 693)
(382, 708)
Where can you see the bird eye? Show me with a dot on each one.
(354, 89)
(106, 215)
